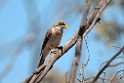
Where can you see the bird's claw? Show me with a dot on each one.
(53, 51)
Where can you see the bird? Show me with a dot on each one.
(52, 39)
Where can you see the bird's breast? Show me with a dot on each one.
(55, 39)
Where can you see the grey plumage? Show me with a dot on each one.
(52, 39)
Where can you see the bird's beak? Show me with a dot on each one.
(65, 26)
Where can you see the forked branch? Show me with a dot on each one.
(39, 73)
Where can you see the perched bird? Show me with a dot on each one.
(52, 39)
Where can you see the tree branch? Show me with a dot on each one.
(79, 43)
(39, 73)
(108, 63)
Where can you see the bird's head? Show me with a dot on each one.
(61, 24)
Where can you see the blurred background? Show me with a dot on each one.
(23, 24)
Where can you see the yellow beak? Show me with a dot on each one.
(65, 26)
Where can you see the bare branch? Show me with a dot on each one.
(99, 9)
(58, 52)
(117, 81)
(88, 53)
(108, 63)
(79, 43)
(115, 75)
(113, 65)
(88, 80)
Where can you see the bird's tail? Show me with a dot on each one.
(43, 55)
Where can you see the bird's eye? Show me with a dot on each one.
(62, 24)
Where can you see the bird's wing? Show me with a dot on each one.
(47, 37)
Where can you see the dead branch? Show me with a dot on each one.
(88, 80)
(115, 75)
(111, 65)
(84, 65)
(108, 63)
(119, 63)
(117, 81)
(79, 43)
(39, 73)
(88, 54)
(99, 9)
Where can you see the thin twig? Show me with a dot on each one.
(79, 43)
(113, 65)
(115, 75)
(54, 57)
(88, 53)
(108, 63)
